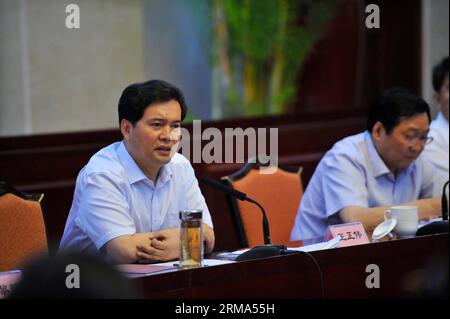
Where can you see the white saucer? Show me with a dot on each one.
(384, 229)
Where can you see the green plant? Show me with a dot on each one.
(259, 48)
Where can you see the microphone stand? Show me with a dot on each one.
(266, 231)
(444, 203)
(266, 250)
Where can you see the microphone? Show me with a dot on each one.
(268, 249)
(444, 203)
(437, 227)
(243, 197)
(231, 191)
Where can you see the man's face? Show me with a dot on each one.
(442, 98)
(151, 141)
(404, 144)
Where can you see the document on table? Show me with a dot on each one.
(231, 256)
(332, 243)
(143, 268)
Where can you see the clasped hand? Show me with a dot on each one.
(164, 245)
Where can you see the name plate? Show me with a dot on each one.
(351, 234)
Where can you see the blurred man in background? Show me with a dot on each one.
(48, 277)
(437, 151)
(365, 174)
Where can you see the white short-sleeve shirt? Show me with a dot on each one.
(113, 197)
(353, 174)
(437, 151)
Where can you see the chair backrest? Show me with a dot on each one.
(279, 193)
(22, 228)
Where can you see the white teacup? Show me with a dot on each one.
(407, 218)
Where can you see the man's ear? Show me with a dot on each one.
(126, 127)
(378, 130)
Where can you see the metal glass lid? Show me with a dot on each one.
(191, 214)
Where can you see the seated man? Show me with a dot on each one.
(128, 197)
(365, 174)
(437, 151)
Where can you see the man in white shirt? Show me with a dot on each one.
(365, 174)
(437, 151)
(128, 197)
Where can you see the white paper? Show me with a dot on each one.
(332, 243)
(232, 255)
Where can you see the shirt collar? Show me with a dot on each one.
(379, 168)
(133, 171)
(135, 174)
(442, 124)
(165, 174)
(440, 118)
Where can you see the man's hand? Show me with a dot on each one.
(209, 238)
(122, 249)
(165, 245)
(370, 217)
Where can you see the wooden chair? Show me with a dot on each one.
(279, 193)
(22, 227)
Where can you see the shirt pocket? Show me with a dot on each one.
(171, 215)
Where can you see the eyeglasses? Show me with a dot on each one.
(423, 139)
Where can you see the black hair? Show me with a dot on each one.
(393, 104)
(46, 277)
(137, 97)
(440, 71)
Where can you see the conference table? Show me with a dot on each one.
(390, 269)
